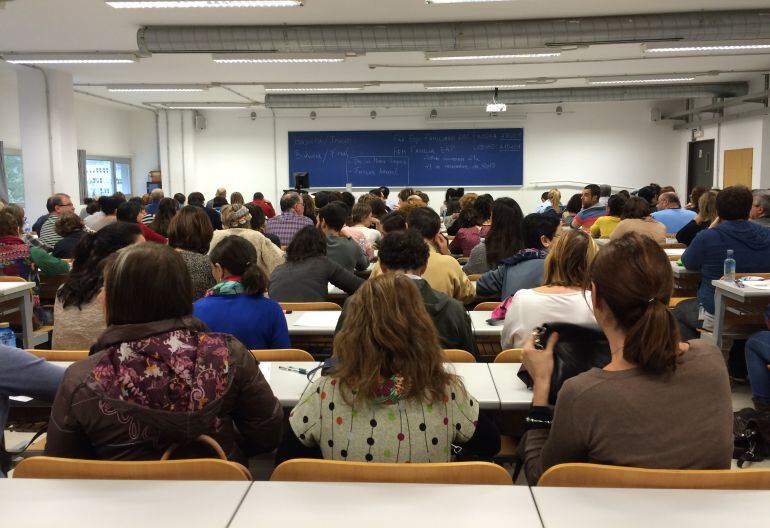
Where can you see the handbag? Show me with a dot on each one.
(751, 436)
(578, 350)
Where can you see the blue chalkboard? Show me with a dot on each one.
(417, 158)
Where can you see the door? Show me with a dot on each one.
(738, 167)
(700, 166)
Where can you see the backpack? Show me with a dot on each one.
(751, 436)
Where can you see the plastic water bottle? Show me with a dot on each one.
(730, 266)
(7, 337)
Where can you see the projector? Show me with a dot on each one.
(494, 108)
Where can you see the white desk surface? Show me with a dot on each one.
(743, 293)
(287, 386)
(34, 503)
(478, 382)
(513, 393)
(7, 288)
(325, 329)
(480, 326)
(642, 508)
(674, 252)
(681, 270)
(344, 504)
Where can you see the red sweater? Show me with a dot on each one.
(152, 236)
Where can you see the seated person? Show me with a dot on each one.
(523, 269)
(340, 249)
(405, 253)
(605, 225)
(469, 237)
(156, 376)
(757, 360)
(505, 237)
(592, 208)
(443, 272)
(671, 213)
(237, 305)
(131, 212)
(69, 226)
(190, 234)
(562, 297)
(389, 373)
(656, 400)
(307, 272)
(636, 218)
(706, 214)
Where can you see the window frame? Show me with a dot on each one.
(8, 151)
(114, 160)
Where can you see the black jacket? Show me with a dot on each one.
(65, 248)
(215, 217)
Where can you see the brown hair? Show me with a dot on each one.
(388, 331)
(569, 259)
(360, 211)
(635, 207)
(9, 224)
(412, 203)
(467, 200)
(633, 277)
(134, 296)
(67, 223)
(707, 206)
(191, 229)
(236, 198)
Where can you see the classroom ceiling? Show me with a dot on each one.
(91, 25)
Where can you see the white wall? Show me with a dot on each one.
(10, 133)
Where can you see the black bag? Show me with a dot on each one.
(751, 436)
(578, 349)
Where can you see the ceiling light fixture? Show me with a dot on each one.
(483, 85)
(639, 80)
(491, 55)
(169, 4)
(203, 106)
(429, 2)
(700, 47)
(316, 88)
(157, 87)
(275, 58)
(70, 58)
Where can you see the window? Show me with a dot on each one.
(105, 176)
(14, 176)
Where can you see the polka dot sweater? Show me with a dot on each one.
(406, 431)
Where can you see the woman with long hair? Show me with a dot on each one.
(656, 401)
(504, 239)
(635, 218)
(190, 233)
(707, 213)
(388, 397)
(167, 209)
(469, 237)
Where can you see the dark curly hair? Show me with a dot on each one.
(67, 223)
(309, 242)
(403, 250)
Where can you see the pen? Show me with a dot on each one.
(293, 369)
(739, 283)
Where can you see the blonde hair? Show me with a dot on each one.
(467, 200)
(236, 215)
(236, 198)
(413, 202)
(569, 259)
(707, 206)
(554, 196)
(388, 331)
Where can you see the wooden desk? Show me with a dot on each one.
(642, 508)
(352, 505)
(728, 290)
(45, 503)
(18, 294)
(478, 381)
(513, 393)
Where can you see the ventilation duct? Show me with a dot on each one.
(454, 36)
(510, 97)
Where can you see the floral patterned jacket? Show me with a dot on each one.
(147, 386)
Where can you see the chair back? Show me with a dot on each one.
(599, 476)
(59, 355)
(313, 470)
(282, 354)
(511, 355)
(486, 306)
(455, 355)
(320, 306)
(193, 469)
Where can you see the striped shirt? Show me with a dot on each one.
(587, 217)
(286, 225)
(48, 235)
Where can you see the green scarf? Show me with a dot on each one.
(228, 286)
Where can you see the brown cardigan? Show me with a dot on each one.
(85, 424)
(629, 418)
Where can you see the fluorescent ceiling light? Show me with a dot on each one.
(476, 85)
(429, 2)
(313, 88)
(491, 55)
(70, 58)
(275, 58)
(700, 47)
(157, 87)
(167, 4)
(640, 80)
(204, 106)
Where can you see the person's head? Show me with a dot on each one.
(308, 206)
(120, 197)
(377, 193)
(734, 203)
(615, 205)
(404, 252)
(236, 216)
(424, 197)
(544, 196)
(86, 277)
(68, 223)
(191, 230)
(179, 197)
(218, 202)
(221, 192)
(385, 318)
(348, 199)
(605, 191)
(574, 204)
(707, 207)
(569, 259)
(129, 212)
(635, 207)
(236, 198)
(450, 194)
(309, 242)
(61, 203)
(695, 194)
(392, 222)
(258, 217)
(259, 196)
(134, 296)
(167, 208)
(10, 222)
(668, 200)
(539, 230)
(631, 281)
(453, 207)
(323, 198)
(332, 217)
(196, 198)
(385, 192)
(361, 214)
(156, 195)
(657, 189)
(624, 193)
(506, 236)
(92, 208)
(554, 196)
(590, 195)
(467, 200)
(482, 208)
(760, 207)
(425, 220)
(379, 209)
(291, 201)
(411, 203)
(649, 194)
(235, 256)
(404, 194)
(144, 199)
(49, 204)
(667, 189)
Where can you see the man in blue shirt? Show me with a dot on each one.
(749, 241)
(671, 214)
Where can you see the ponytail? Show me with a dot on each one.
(254, 279)
(653, 341)
(238, 256)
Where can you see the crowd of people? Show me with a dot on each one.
(170, 294)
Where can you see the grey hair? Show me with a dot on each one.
(762, 199)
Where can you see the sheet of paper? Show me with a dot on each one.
(266, 368)
(318, 319)
(23, 399)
